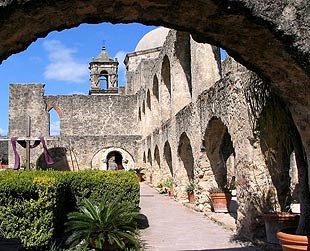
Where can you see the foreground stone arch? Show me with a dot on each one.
(270, 38)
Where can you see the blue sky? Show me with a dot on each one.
(60, 60)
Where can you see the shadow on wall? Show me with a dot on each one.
(59, 156)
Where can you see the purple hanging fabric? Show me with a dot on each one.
(48, 158)
(17, 159)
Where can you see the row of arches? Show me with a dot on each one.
(180, 164)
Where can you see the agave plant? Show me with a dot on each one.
(108, 226)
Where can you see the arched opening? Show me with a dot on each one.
(156, 87)
(143, 106)
(156, 156)
(157, 176)
(104, 80)
(150, 165)
(139, 114)
(148, 100)
(54, 123)
(220, 152)
(114, 161)
(168, 157)
(283, 153)
(144, 157)
(186, 155)
(165, 89)
(149, 157)
(166, 74)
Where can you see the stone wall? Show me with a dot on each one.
(88, 124)
(4, 151)
(96, 114)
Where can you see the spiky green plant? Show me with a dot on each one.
(108, 226)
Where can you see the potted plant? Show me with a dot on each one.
(190, 191)
(275, 217)
(139, 172)
(220, 198)
(108, 226)
(169, 183)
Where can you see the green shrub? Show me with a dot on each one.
(34, 204)
(109, 225)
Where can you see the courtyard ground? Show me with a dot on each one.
(173, 227)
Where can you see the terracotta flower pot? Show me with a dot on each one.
(293, 242)
(140, 177)
(276, 221)
(170, 192)
(220, 202)
(191, 197)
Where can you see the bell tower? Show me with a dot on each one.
(103, 74)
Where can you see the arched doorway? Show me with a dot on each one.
(114, 161)
(104, 158)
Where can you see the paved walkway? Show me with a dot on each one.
(174, 227)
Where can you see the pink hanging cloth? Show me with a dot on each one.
(47, 156)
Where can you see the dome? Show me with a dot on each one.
(153, 39)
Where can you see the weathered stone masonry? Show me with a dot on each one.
(184, 114)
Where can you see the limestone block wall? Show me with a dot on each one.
(96, 114)
(4, 151)
(86, 152)
(27, 100)
(211, 140)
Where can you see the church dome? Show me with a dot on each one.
(153, 39)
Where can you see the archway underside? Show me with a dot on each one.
(250, 33)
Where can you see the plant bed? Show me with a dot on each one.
(293, 242)
(276, 221)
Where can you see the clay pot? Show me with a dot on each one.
(140, 177)
(220, 202)
(293, 242)
(276, 221)
(170, 192)
(191, 197)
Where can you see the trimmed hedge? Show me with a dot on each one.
(34, 204)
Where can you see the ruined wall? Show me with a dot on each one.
(80, 151)
(4, 151)
(96, 115)
(27, 100)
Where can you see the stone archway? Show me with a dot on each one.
(100, 158)
(185, 153)
(168, 157)
(220, 152)
(232, 25)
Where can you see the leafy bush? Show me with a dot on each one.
(34, 204)
(107, 226)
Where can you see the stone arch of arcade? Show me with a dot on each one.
(220, 152)
(283, 154)
(285, 63)
(168, 157)
(185, 154)
(165, 88)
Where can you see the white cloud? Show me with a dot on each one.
(120, 55)
(77, 93)
(55, 128)
(3, 132)
(63, 66)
